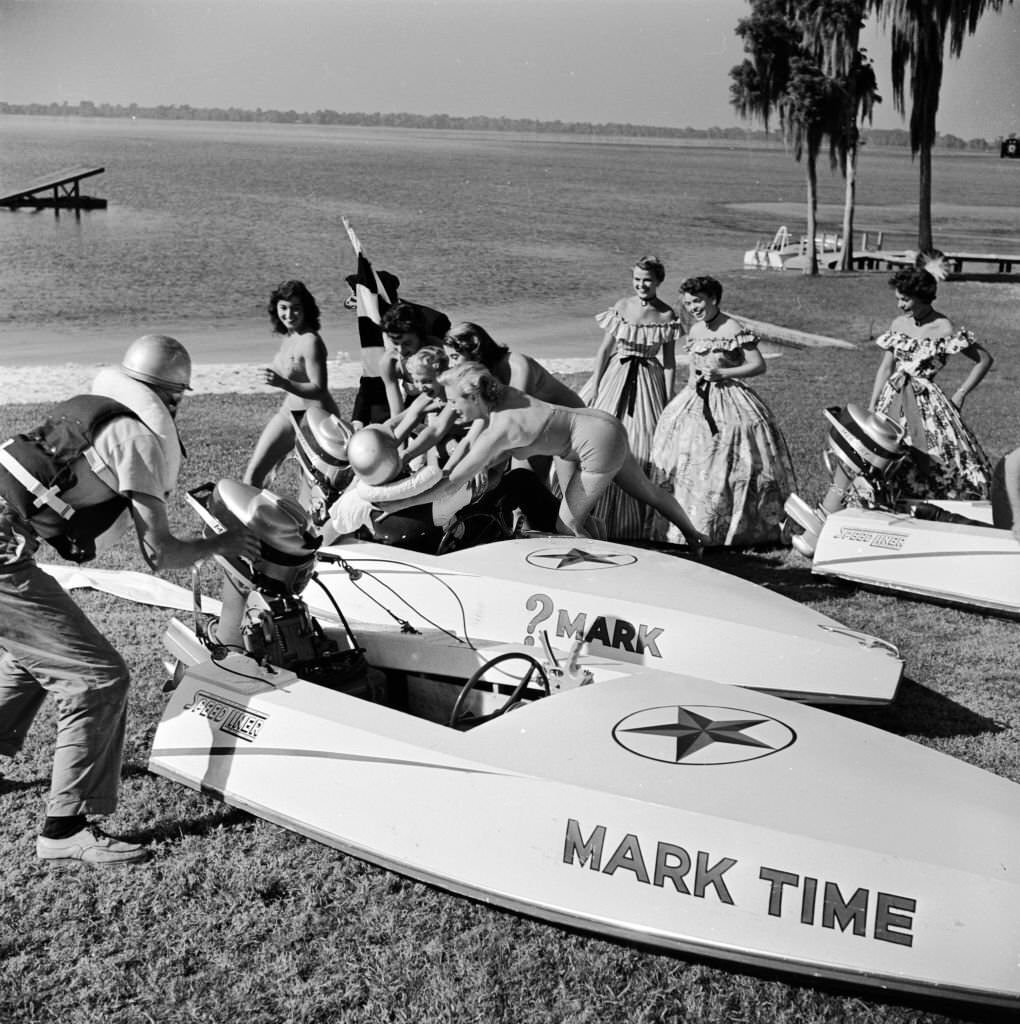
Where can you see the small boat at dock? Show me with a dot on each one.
(783, 252)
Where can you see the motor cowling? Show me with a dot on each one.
(864, 442)
(862, 448)
(287, 544)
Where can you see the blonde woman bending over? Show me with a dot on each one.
(589, 447)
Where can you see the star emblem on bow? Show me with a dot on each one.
(575, 556)
(693, 732)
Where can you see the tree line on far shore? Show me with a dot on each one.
(478, 122)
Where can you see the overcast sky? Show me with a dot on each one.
(658, 62)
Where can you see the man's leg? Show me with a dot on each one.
(52, 647)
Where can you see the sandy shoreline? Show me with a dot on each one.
(52, 383)
(45, 365)
(36, 373)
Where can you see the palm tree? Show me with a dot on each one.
(919, 29)
(860, 94)
(779, 78)
(832, 31)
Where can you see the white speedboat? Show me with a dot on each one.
(960, 563)
(644, 805)
(629, 604)
(946, 551)
(586, 789)
(623, 603)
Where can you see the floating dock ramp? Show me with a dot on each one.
(61, 191)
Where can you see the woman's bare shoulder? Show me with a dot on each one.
(308, 343)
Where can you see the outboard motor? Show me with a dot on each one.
(868, 444)
(862, 450)
(263, 614)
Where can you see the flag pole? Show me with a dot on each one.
(372, 300)
(351, 235)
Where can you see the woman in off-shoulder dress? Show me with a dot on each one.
(946, 459)
(718, 447)
(633, 379)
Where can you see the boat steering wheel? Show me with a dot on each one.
(459, 718)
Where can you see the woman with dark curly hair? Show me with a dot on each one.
(468, 342)
(946, 459)
(717, 447)
(298, 369)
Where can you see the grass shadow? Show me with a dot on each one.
(919, 711)
(8, 785)
(220, 817)
(775, 569)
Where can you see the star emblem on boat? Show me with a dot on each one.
(579, 558)
(702, 735)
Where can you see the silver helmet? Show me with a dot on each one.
(159, 361)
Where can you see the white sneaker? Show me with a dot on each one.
(92, 846)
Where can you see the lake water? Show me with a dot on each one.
(529, 235)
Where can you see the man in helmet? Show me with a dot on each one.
(98, 464)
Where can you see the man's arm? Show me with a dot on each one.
(162, 550)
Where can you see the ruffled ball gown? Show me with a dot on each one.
(719, 450)
(632, 388)
(948, 460)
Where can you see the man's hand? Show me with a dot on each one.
(163, 550)
(238, 543)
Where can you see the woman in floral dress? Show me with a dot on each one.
(946, 459)
(633, 379)
(717, 445)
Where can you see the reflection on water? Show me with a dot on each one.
(204, 219)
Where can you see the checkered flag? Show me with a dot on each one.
(372, 301)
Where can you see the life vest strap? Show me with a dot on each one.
(42, 495)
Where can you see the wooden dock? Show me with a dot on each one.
(61, 191)
(782, 253)
(955, 262)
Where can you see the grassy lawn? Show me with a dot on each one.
(235, 919)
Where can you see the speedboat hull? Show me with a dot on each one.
(630, 604)
(963, 564)
(647, 806)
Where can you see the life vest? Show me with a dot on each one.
(37, 468)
